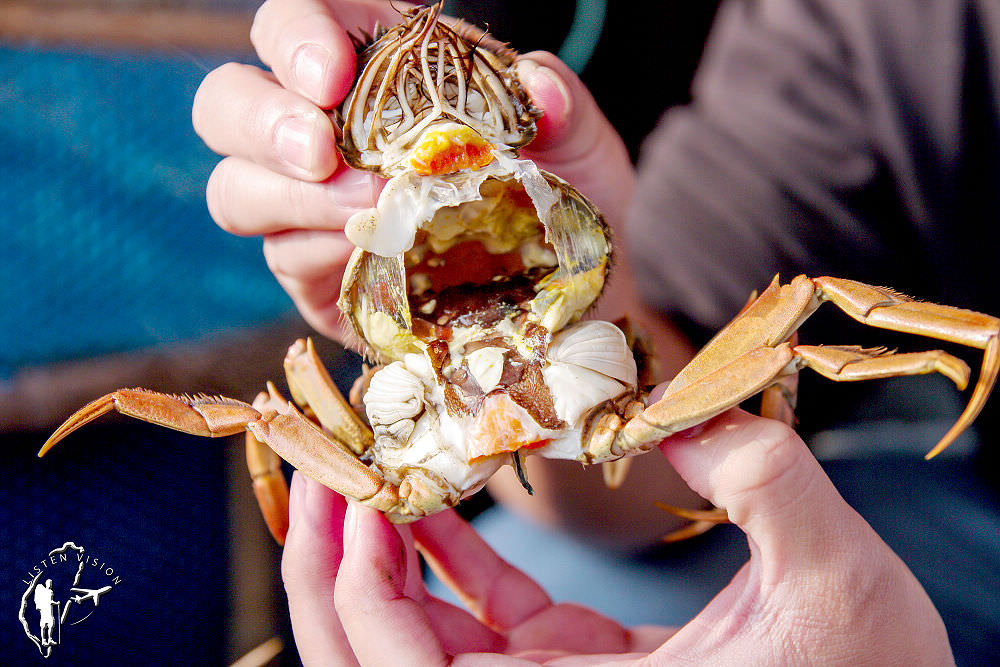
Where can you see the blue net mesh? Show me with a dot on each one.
(108, 244)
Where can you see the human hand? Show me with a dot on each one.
(282, 177)
(356, 595)
(820, 587)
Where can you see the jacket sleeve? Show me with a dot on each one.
(779, 165)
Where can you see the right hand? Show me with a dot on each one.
(283, 179)
(820, 587)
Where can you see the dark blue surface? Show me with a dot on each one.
(150, 504)
(108, 242)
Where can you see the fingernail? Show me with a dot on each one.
(535, 76)
(351, 521)
(692, 432)
(294, 141)
(354, 189)
(319, 503)
(309, 67)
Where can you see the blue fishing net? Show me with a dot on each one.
(107, 242)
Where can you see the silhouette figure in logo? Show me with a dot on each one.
(43, 603)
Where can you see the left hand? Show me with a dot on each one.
(356, 595)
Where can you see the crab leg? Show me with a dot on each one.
(321, 456)
(283, 429)
(883, 308)
(314, 390)
(209, 416)
(747, 355)
(704, 398)
(269, 486)
(848, 363)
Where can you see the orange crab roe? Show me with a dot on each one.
(447, 151)
(502, 426)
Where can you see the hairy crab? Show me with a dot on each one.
(468, 290)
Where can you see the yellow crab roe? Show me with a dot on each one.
(449, 150)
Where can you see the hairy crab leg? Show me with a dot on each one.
(283, 429)
(320, 455)
(713, 515)
(269, 484)
(693, 529)
(884, 308)
(741, 348)
(208, 416)
(848, 363)
(314, 390)
(769, 320)
(703, 399)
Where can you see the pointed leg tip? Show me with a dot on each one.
(940, 447)
(278, 533)
(946, 441)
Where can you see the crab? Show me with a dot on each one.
(468, 292)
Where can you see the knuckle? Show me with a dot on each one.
(294, 577)
(273, 257)
(295, 198)
(766, 473)
(281, 260)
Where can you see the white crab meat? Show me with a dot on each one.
(589, 363)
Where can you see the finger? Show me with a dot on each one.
(764, 476)
(309, 565)
(247, 199)
(306, 43)
(309, 265)
(575, 140)
(591, 632)
(384, 626)
(456, 629)
(499, 594)
(241, 110)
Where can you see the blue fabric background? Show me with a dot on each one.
(108, 242)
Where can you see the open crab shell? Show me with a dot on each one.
(517, 213)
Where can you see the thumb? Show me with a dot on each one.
(772, 487)
(575, 140)
(819, 578)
